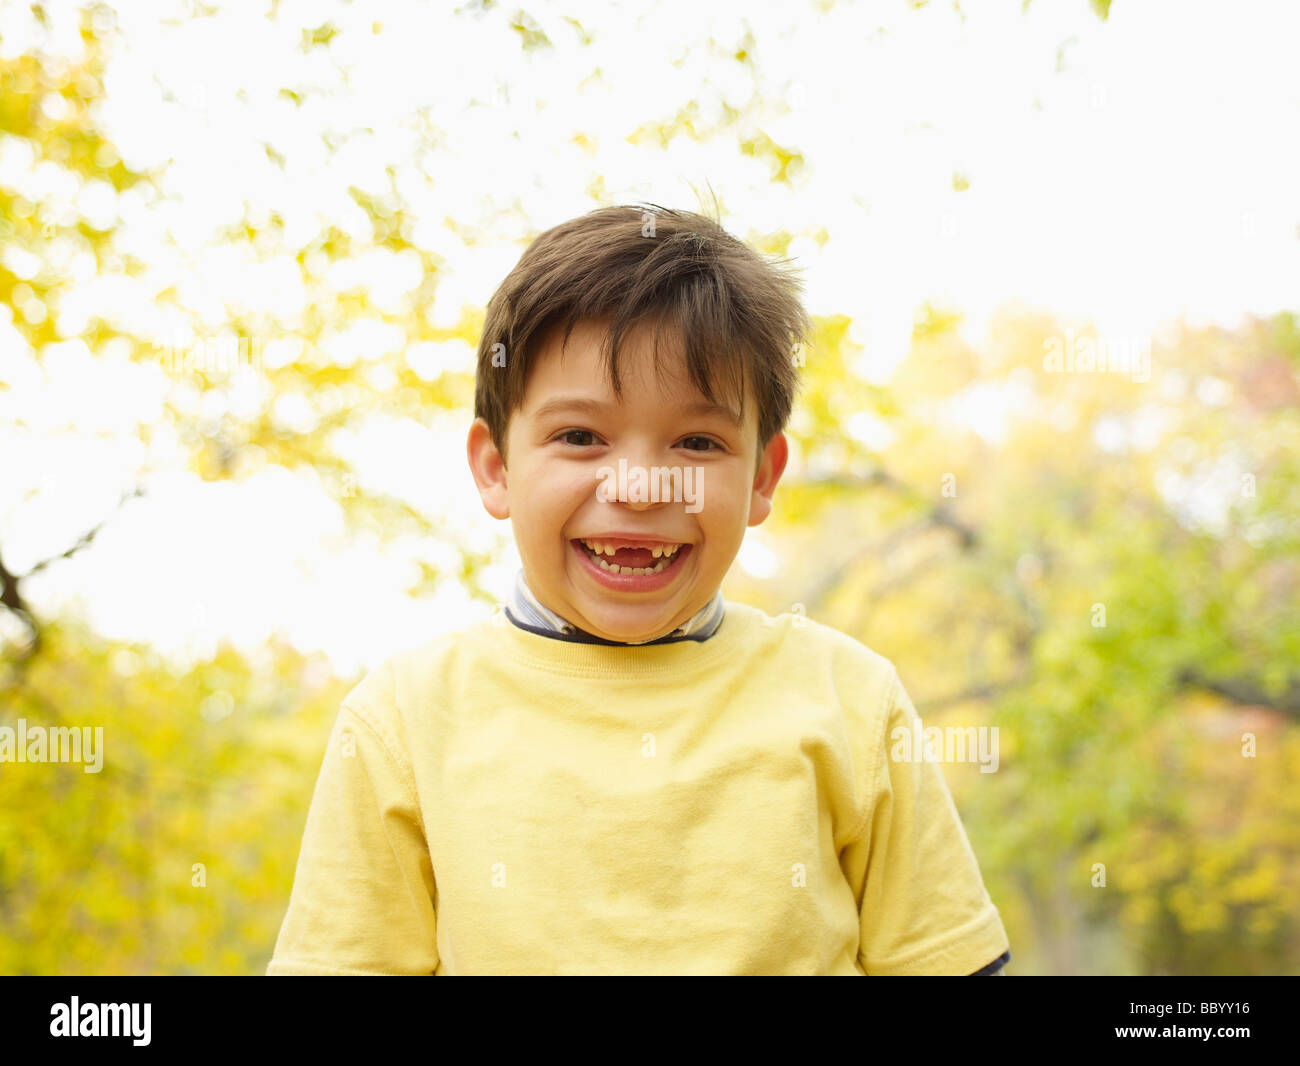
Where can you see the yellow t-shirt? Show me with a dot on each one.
(499, 802)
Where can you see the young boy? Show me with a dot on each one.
(621, 773)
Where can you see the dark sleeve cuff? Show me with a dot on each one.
(994, 968)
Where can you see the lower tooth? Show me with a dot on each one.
(635, 571)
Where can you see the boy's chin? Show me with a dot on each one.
(615, 625)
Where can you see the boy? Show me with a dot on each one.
(622, 773)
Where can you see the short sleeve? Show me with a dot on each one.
(363, 894)
(924, 909)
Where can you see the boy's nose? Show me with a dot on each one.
(642, 505)
(640, 464)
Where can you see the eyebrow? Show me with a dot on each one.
(560, 404)
(586, 405)
(721, 410)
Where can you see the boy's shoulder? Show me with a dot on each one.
(406, 678)
(795, 634)
(828, 665)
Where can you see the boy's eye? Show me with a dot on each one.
(699, 444)
(578, 437)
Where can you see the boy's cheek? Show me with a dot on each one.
(721, 501)
(563, 480)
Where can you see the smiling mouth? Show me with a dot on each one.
(630, 558)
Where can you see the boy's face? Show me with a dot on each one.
(563, 494)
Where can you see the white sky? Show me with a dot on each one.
(1156, 176)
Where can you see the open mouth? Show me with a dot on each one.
(631, 559)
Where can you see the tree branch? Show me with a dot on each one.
(1244, 690)
(12, 598)
(936, 514)
(976, 692)
(10, 594)
(84, 539)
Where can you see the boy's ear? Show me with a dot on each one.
(489, 469)
(770, 468)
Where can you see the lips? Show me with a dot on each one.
(627, 556)
(631, 564)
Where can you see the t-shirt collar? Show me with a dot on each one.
(527, 612)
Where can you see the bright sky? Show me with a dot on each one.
(1155, 175)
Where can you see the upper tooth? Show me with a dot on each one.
(605, 548)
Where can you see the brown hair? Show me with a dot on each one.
(739, 314)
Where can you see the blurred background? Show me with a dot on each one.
(1047, 456)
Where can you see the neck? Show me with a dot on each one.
(528, 612)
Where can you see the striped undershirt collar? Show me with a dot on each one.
(527, 612)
